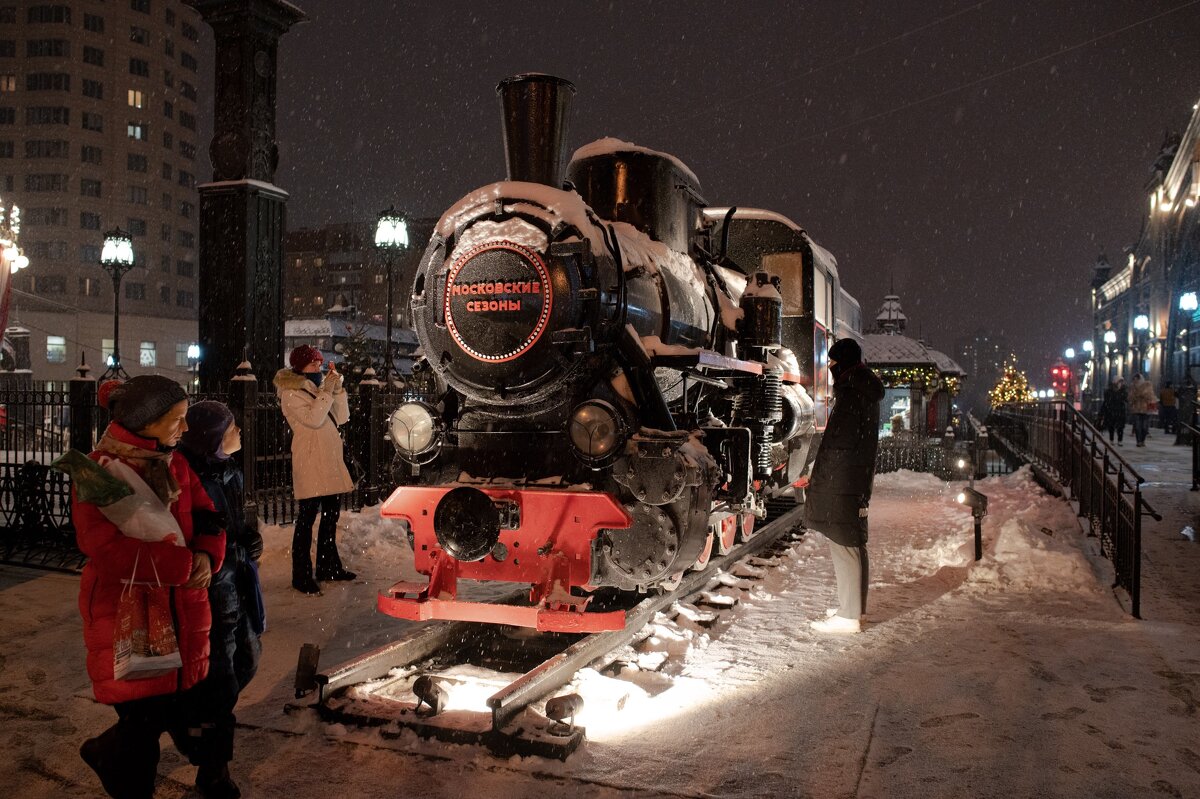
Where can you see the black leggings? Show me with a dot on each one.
(328, 560)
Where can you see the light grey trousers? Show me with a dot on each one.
(850, 567)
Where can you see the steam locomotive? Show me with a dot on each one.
(614, 377)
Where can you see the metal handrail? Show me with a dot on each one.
(1100, 437)
(1109, 449)
(1107, 487)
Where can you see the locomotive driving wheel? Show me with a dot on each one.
(706, 552)
(745, 526)
(728, 528)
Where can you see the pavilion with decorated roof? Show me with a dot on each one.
(920, 382)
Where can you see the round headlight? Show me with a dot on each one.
(414, 428)
(596, 429)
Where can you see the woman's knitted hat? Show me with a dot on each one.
(302, 356)
(207, 422)
(139, 401)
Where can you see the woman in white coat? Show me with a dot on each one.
(315, 407)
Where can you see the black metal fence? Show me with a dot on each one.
(963, 450)
(37, 425)
(1060, 440)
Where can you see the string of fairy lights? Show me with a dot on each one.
(923, 377)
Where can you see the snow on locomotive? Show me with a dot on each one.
(617, 377)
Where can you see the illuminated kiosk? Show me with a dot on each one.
(920, 382)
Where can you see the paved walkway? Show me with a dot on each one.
(1170, 562)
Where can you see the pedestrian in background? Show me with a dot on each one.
(1113, 411)
(148, 418)
(842, 478)
(1168, 408)
(315, 405)
(1141, 403)
(1187, 406)
(234, 594)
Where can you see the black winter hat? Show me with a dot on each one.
(141, 400)
(846, 352)
(207, 422)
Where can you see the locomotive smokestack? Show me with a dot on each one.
(534, 108)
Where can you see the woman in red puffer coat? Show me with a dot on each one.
(148, 417)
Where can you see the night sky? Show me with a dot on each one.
(977, 155)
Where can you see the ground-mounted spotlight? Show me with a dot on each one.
(977, 501)
(562, 711)
(431, 696)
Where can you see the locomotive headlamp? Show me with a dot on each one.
(414, 429)
(596, 429)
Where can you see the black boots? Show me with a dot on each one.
(304, 583)
(124, 772)
(214, 782)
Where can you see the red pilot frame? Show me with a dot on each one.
(549, 547)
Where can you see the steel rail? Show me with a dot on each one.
(558, 670)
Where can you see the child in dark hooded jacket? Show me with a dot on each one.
(234, 594)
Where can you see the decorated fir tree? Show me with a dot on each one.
(1013, 386)
(355, 350)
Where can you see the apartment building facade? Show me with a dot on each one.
(99, 130)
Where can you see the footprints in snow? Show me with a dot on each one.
(1064, 715)
(1102, 695)
(942, 721)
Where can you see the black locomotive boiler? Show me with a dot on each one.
(614, 377)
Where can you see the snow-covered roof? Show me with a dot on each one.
(821, 256)
(891, 311)
(945, 363)
(609, 145)
(894, 350)
(320, 327)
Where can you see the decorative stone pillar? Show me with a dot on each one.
(242, 212)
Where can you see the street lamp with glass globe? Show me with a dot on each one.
(116, 259)
(193, 356)
(391, 236)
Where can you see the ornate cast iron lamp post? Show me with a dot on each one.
(391, 236)
(116, 258)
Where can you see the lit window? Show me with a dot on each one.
(148, 356)
(135, 98)
(106, 350)
(56, 349)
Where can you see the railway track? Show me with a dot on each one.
(376, 689)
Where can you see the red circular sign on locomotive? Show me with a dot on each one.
(498, 300)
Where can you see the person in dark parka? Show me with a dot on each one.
(234, 594)
(1115, 409)
(839, 488)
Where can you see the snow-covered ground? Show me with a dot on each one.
(1018, 676)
